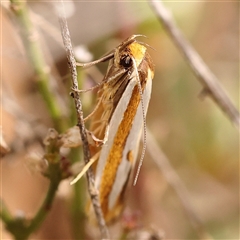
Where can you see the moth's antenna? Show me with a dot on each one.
(144, 124)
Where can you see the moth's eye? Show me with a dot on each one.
(126, 61)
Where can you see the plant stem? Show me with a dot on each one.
(4, 213)
(77, 207)
(55, 179)
(209, 81)
(80, 122)
(20, 227)
(30, 39)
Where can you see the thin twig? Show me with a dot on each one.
(175, 182)
(78, 105)
(209, 81)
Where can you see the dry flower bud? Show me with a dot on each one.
(36, 163)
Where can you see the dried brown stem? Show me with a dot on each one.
(175, 182)
(78, 105)
(209, 81)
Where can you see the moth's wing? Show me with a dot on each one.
(114, 123)
(130, 152)
(112, 202)
(113, 127)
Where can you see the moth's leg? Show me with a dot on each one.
(102, 59)
(72, 138)
(96, 141)
(86, 167)
(94, 110)
(87, 90)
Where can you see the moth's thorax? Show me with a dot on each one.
(137, 51)
(133, 50)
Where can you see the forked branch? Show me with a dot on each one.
(211, 85)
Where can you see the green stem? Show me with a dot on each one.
(77, 207)
(55, 179)
(20, 227)
(5, 215)
(78, 216)
(30, 38)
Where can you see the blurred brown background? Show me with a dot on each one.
(198, 139)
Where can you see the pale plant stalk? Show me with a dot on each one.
(210, 83)
(80, 122)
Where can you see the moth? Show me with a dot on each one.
(119, 118)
